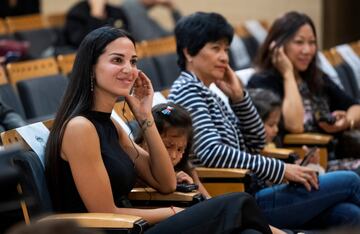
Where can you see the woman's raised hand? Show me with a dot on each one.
(231, 85)
(302, 175)
(280, 60)
(141, 98)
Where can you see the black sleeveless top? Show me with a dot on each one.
(118, 165)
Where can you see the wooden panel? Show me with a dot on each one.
(216, 189)
(280, 153)
(3, 79)
(31, 69)
(241, 31)
(97, 220)
(3, 27)
(49, 123)
(333, 56)
(13, 137)
(266, 24)
(56, 19)
(307, 139)
(356, 47)
(156, 47)
(204, 172)
(66, 62)
(165, 92)
(337, 59)
(147, 194)
(124, 111)
(26, 22)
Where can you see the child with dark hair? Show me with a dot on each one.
(268, 105)
(175, 127)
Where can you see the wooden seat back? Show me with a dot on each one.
(31, 69)
(13, 137)
(3, 78)
(26, 22)
(66, 62)
(156, 47)
(3, 27)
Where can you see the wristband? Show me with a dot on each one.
(145, 124)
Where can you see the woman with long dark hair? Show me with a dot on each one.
(286, 64)
(91, 164)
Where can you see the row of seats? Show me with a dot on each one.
(345, 60)
(33, 88)
(41, 31)
(13, 24)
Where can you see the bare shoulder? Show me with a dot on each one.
(79, 125)
(80, 135)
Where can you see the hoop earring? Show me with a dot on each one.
(92, 82)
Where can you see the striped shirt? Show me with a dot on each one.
(225, 138)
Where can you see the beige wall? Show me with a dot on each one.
(235, 11)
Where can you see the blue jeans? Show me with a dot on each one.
(337, 202)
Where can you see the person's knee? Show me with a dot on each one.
(347, 177)
(347, 214)
(241, 200)
(352, 178)
(241, 197)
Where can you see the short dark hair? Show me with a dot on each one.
(194, 31)
(78, 97)
(283, 30)
(265, 101)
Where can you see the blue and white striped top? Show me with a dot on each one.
(225, 138)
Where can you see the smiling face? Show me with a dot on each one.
(211, 62)
(301, 49)
(115, 70)
(175, 141)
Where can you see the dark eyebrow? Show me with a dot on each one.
(121, 55)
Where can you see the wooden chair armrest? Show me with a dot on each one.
(99, 220)
(279, 153)
(307, 139)
(205, 172)
(147, 194)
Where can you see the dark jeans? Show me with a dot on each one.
(230, 213)
(335, 203)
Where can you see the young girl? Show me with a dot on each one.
(175, 127)
(268, 106)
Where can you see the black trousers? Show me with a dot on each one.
(230, 213)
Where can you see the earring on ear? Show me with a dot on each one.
(92, 77)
